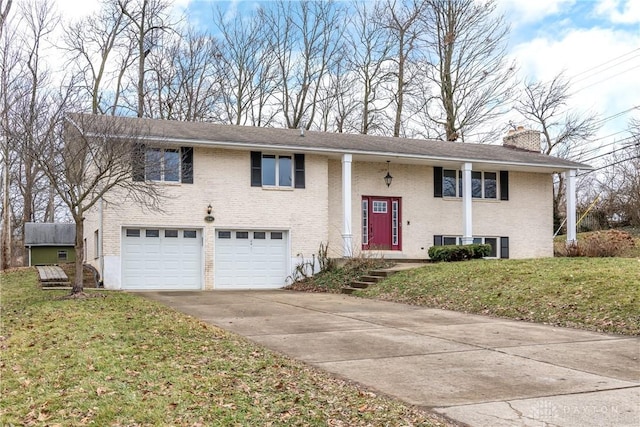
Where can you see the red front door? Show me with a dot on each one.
(381, 223)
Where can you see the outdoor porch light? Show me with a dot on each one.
(388, 177)
(209, 217)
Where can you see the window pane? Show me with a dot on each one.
(449, 240)
(276, 235)
(259, 235)
(379, 206)
(224, 234)
(490, 191)
(284, 171)
(131, 232)
(62, 255)
(170, 233)
(268, 170)
(242, 234)
(189, 234)
(152, 164)
(476, 184)
(477, 240)
(494, 246)
(152, 233)
(171, 165)
(449, 183)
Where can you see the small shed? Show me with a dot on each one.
(49, 243)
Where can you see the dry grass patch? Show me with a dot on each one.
(123, 360)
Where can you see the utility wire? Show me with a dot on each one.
(604, 80)
(605, 69)
(609, 165)
(605, 63)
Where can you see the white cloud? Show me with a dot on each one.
(519, 12)
(603, 64)
(620, 11)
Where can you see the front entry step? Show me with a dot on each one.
(376, 276)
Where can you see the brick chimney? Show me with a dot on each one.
(523, 139)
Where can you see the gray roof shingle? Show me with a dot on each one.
(248, 137)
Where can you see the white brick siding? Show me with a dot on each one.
(313, 215)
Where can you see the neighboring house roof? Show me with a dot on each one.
(261, 138)
(49, 234)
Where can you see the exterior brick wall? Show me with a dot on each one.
(314, 215)
(222, 179)
(526, 218)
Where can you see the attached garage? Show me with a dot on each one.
(156, 258)
(251, 259)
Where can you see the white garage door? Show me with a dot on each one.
(250, 259)
(161, 258)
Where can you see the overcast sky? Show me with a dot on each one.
(595, 42)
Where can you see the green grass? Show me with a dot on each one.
(123, 360)
(600, 294)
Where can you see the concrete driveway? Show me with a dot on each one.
(476, 370)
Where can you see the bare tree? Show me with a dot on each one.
(369, 54)
(146, 20)
(563, 133)
(401, 20)
(247, 68)
(93, 155)
(97, 42)
(304, 37)
(184, 82)
(5, 90)
(619, 182)
(467, 65)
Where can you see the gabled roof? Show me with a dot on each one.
(49, 234)
(380, 147)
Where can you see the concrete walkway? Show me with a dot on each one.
(476, 370)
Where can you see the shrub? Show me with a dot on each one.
(609, 243)
(458, 252)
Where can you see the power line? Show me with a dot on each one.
(605, 79)
(609, 165)
(606, 62)
(593, 150)
(616, 115)
(611, 152)
(605, 69)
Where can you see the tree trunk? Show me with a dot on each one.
(78, 285)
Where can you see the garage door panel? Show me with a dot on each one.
(157, 258)
(258, 261)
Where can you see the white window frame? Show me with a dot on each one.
(378, 204)
(482, 240)
(459, 183)
(162, 165)
(365, 221)
(395, 225)
(277, 158)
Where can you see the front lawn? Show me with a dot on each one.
(119, 359)
(599, 294)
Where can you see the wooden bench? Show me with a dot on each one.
(52, 276)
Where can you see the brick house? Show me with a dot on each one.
(245, 205)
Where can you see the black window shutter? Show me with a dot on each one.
(187, 164)
(504, 185)
(504, 247)
(137, 162)
(437, 181)
(437, 240)
(299, 170)
(256, 169)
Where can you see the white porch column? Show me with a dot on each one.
(347, 231)
(570, 176)
(467, 225)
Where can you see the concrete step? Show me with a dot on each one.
(371, 278)
(348, 290)
(359, 284)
